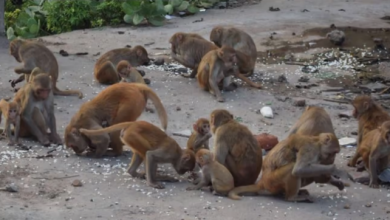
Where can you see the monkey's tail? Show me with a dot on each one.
(162, 114)
(56, 91)
(110, 129)
(234, 193)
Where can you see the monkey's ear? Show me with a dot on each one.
(140, 52)
(327, 138)
(179, 37)
(218, 30)
(129, 66)
(220, 53)
(231, 115)
(187, 157)
(195, 127)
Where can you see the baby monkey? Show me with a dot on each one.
(213, 172)
(10, 110)
(130, 74)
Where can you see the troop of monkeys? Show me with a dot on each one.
(103, 125)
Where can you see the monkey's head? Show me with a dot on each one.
(14, 48)
(123, 68)
(219, 117)
(142, 55)
(41, 84)
(385, 131)
(13, 110)
(361, 105)
(186, 162)
(216, 36)
(228, 56)
(329, 144)
(203, 157)
(202, 126)
(75, 140)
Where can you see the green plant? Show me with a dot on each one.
(138, 11)
(108, 12)
(68, 15)
(176, 6)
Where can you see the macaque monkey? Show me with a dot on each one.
(200, 136)
(10, 110)
(188, 49)
(292, 162)
(121, 102)
(216, 70)
(105, 71)
(33, 54)
(375, 151)
(240, 41)
(36, 103)
(235, 147)
(152, 145)
(130, 74)
(213, 172)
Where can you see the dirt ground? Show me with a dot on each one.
(44, 185)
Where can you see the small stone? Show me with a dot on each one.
(221, 5)
(159, 61)
(299, 103)
(345, 141)
(336, 37)
(354, 133)
(182, 70)
(303, 79)
(77, 183)
(11, 188)
(178, 108)
(267, 112)
(282, 78)
(368, 205)
(387, 211)
(347, 206)
(121, 32)
(345, 114)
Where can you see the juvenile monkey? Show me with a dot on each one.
(200, 136)
(375, 151)
(130, 74)
(289, 165)
(240, 41)
(121, 102)
(216, 70)
(10, 110)
(36, 101)
(33, 54)
(235, 147)
(213, 172)
(153, 145)
(188, 49)
(105, 70)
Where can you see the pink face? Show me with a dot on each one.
(12, 113)
(43, 93)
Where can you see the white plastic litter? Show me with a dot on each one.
(266, 111)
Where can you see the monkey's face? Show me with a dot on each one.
(75, 140)
(215, 36)
(385, 131)
(12, 113)
(42, 93)
(205, 128)
(330, 144)
(187, 162)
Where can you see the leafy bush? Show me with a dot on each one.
(108, 12)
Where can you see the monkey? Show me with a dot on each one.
(121, 102)
(105, 70)
(130, 74)
(36, 101)
(188, 49)
(213, 172)
(370, 115)
(375, 150)
(240, 41)
(11, 112)
(152, 145)
(290, 163)
(200, 135)
(33, 54)
(216, 69)
(235, 147)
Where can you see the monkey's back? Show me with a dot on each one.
(114, 56)
(41, 56)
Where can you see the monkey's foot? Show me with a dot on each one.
(231, 87)
(55, 139)
(140, 175)
(301, 198)
(220, 99)
(303, 192)
(190, 188)
(374, 185)
(363, 180)
(337, 183)
(166, 178)
(156, 185)
(45, 142)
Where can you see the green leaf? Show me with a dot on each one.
(10, 33)
(34, 8)
(184, 5)
(128, 9)
(138, 19)
(31, 21)
(175, 3)
(156, 21)
(193, 9)
(159, 4)
(168, 9)
(34, 29)
(128, 19)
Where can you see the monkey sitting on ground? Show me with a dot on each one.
(121, 102)
(213, 172)
(289, 165)
(370, 115)
(10, 110)
(188, 49)
(130, 74)
(375, 151)
(241, 42)
(105, 70)
(36, 103)
(216, 70)
(153, 145)
(235, 147)
(33, 54)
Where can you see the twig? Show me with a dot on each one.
(265, 122)
(337, 101)
(385, 90)
(181, 135)
(43, 156)
(51, 151)
(54, 178)
(333, 90)
(296, 63)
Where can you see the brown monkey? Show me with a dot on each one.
(375, 151)
(213, 172)
(105, 71)
(188, 49)
(10, 110)
(36, 103)
(200, 136)
(33, 54)
(235, 148)
(130, 74)
(121, 102)
(240, 41)
(287, 167)
(216, 69)
(153, 145)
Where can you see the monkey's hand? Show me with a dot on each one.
(156, 185)
(44, 141)
(209, 135)
(342, 174)
(220, 99)
(190, 188)
(55, 138)
(374, 184)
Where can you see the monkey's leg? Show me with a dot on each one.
(352, 162)
(136, 161)
(116, 145)
(151, 158)
(214, 88)
(27, 68)
(228, 85)
(35, 130)
(16, 81)
(292, 187)
(107, 74)
(101, 142)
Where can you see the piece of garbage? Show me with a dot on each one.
(10, 188)
(385, 175)
(345, 141)
(266, 111)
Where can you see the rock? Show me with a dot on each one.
(347, 206)
(354, 133)
(299, 103)
(304, 79)
(274, 9)
(267, 112)
(11, 188)
(282, 78)
(309, 69)
(77, 183)
(182, 70)
(279, 98)
(221, 5)
(159, 61)
(378, 43)
(385, 175)
(374, 87)
(336, 37)
(266, 141)
(347, 141)
(347, 114)
(368, 205)
(178, 108)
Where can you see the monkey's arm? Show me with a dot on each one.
(17, 128)
(243, 78)
(202, 141)
(215, 76)
(27, 113)
(23, 70)
(307, 165)
(373, 167)
(204, 180)
(221, 150)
